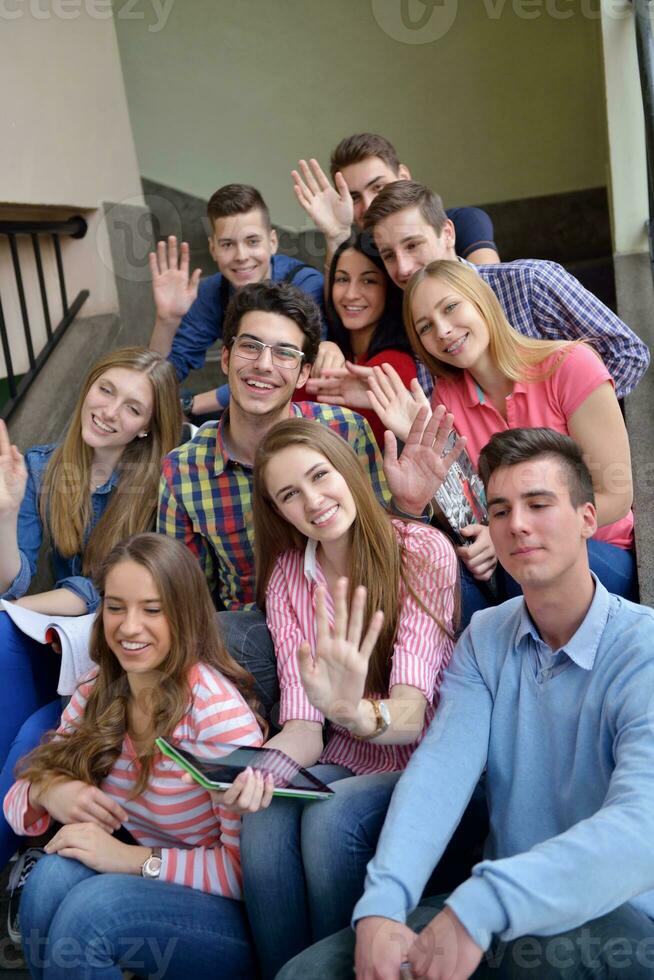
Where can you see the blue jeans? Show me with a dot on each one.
(617, 946)
(304, 864)
(249, 642)
(78, 923)
(28, 738)
(29, 672)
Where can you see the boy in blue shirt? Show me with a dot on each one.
(190, 312)
(360, 167)
(551, 694)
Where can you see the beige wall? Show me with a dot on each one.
(624, 110)
(67, 147)
(507, 103)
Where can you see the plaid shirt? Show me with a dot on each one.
(542, 300)
(205, 499)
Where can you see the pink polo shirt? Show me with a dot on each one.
(548, 403)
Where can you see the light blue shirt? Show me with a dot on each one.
(567, 738)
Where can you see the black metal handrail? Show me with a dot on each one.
(645, 50)
(74, 227)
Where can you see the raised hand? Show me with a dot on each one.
(414, 478)
(330, 356)
(13, 475)
(174, 289)
(395, 405)
(341, 386)
(330, 208)
(334, 679)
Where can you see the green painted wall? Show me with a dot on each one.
(507, 103)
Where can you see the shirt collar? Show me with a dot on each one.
(311, 561)
(108, 486)
(582, 646)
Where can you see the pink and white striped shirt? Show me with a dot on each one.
(422, 648)
(199, 841)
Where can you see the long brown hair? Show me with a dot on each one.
(377, 559)
(89, 749)
(515, 355)
(65, 501)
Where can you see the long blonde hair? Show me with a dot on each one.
(65, 500)
(377, 559)
(90, 748)
(516, 356)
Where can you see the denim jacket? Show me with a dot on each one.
(67, 571)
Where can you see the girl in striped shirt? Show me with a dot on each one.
(166, 902)
(368, 660)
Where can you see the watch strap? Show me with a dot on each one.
(380, 722)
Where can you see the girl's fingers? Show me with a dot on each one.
(322, 621)
(305, 662)
(340, 609)
(372, 634)
(357, 611)
(269, 786)
(5, 444)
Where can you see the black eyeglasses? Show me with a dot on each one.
(251, 350)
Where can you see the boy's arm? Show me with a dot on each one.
(330, 208)
(432, 793)
(535, 892)
(474, 235)
(563, 308)
(174, 290)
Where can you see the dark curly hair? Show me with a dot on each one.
(281, 298)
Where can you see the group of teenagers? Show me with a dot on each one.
(479, 702)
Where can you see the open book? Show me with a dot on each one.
(73, 633)
(461, 496)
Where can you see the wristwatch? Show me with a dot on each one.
(151, 867)
(187, 404)
(382, 719)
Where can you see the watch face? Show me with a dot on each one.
(152, 867)
(385, 712)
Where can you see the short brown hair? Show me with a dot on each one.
(236, 199)
(281, 298)
(354, 149)
(520, 445)
(403, 194)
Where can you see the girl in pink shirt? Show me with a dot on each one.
(367, 660)
(166, 900)
(493, 378)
